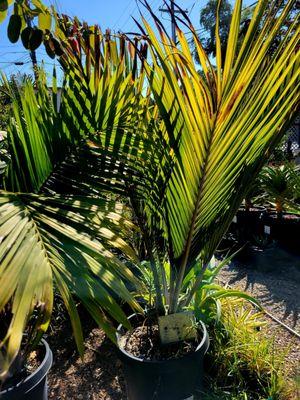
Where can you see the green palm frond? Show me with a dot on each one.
(71, 237)
(106, 101)
(220, 126)
(105, 84)
(62, 241)
(38, 140)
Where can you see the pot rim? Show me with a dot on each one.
(204, 341)
(258, 208)
(273, 213)
(36, 377)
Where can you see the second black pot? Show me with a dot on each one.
(34, 387)
(284, 228)
(250, 222)
(174, 379)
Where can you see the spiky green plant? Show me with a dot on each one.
(282, 185)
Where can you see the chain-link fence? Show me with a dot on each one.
(293, 142)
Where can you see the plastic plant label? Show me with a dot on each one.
(234, 219)
(177, 327)
(267, 230)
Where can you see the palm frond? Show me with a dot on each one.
(224, 122)
(63, 241)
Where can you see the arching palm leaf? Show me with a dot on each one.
(220, 125)
(64, 240)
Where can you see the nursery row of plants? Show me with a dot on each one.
(270, 211)
(116, 197)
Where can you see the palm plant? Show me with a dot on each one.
(183, 164)
(217, 129)
(57, 228)
(281, 185)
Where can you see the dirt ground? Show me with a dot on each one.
(273, 277)
(97, 377)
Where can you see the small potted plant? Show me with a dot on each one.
(282, 187)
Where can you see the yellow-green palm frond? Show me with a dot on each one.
(219, 122)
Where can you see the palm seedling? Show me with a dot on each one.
(216, 131)
(214, 134)
(281, 185)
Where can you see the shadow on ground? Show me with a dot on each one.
(273, 277)
(97, 376)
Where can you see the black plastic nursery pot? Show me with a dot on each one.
(34, 387)
(284, 228)
(251, 221)
(175, 379)
(255, 213)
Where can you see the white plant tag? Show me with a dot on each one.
(234, 219)
(177, 327)
(267, 230)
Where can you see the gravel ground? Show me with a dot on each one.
(273, 277)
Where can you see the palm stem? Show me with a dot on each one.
(164, 282)
(149, 248)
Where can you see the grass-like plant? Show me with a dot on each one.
(242, 359)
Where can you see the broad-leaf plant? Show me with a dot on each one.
(130, 169)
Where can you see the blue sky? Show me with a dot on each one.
(113, 14)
